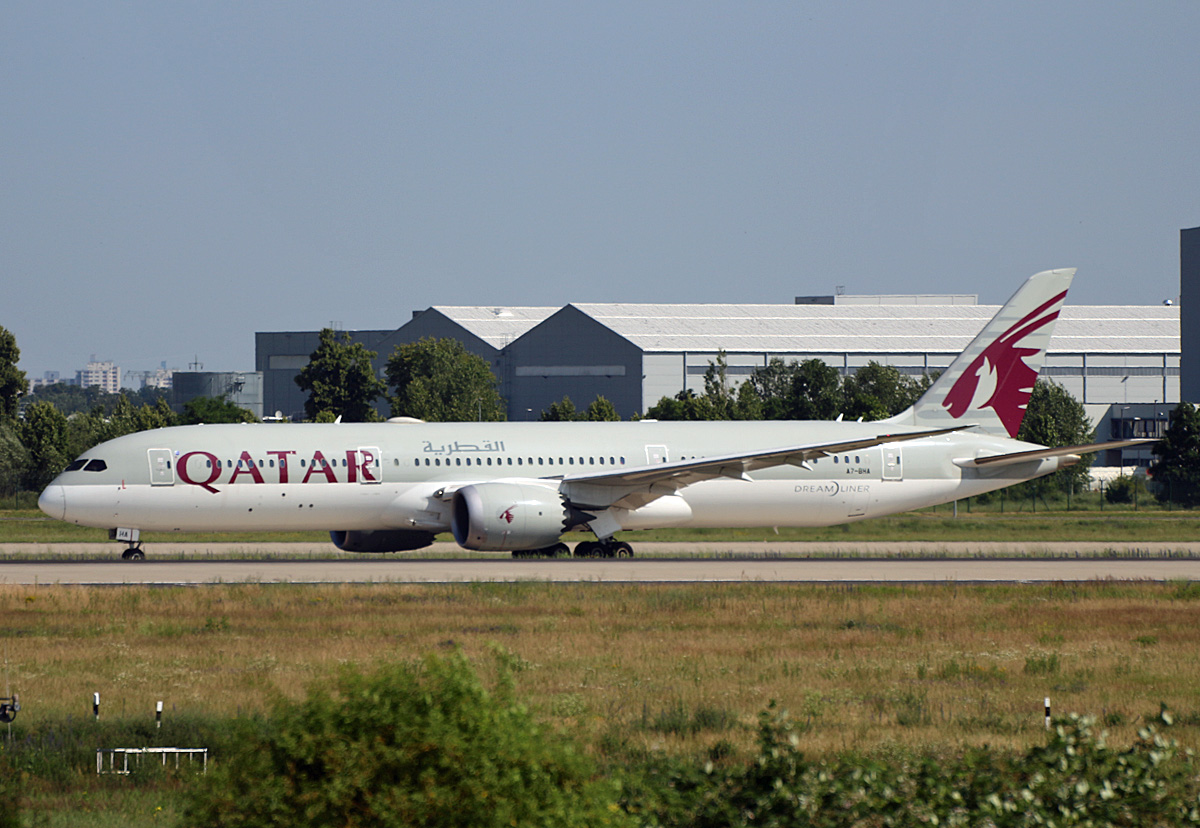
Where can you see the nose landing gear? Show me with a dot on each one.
(133, 537)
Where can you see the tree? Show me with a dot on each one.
(749, 405)
(439, 380)
(773, 385)
(717, 391)
(874, 392)
(683, 406)
(411, 744)
(601, 410)
(816, 391)
(560, 412)
(1176, 468)
(44, 435)
(340, 379)
(14, 459)
(214, 410)
(12, 380)
(1055, 418)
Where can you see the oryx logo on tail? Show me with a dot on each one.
(999, 378)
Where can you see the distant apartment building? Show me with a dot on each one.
(103, 375)
(47, 378)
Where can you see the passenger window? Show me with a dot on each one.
(835, 459)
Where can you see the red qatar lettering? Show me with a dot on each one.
(352, 465)
(283, 469)
(213, 463)
(249, 468)
(320, 466)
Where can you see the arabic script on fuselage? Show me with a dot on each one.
(447, 449)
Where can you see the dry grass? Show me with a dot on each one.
(643, 666)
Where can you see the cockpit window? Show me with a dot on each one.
(76, 465)
(95, 465)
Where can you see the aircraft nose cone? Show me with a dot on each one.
(53, 501)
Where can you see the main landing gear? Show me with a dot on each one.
(603, 549)
(584, 549)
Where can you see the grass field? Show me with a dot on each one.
(632, 667)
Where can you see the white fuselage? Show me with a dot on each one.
(383, 476)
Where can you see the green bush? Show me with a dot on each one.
(1075, 779)
(1124, 489)
(411, 744)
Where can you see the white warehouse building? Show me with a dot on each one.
(1122, 362)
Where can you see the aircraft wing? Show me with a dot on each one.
(1044, 453)
(638, 485)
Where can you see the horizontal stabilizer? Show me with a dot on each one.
(1045, 453)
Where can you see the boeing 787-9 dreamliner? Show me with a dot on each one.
(519, 487)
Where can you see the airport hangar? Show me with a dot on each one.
(1121, 362)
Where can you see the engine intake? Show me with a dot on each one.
(387, 540)
(504, 516)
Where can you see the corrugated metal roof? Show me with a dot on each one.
(497, 326)
(874, 328)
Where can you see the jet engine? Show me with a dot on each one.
(389, 540)
(502, 516)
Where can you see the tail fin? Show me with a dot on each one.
(989, 384)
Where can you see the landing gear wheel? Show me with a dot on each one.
(623, 549)
(133, 553)
(586, 549)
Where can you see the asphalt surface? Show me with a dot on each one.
(662, 563)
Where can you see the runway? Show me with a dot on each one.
(1003, 563)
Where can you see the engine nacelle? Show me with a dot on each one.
(386, 540)
(503, 516)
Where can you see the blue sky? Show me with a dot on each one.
(176, 176)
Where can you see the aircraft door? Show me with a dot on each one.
(656, 454)
(892, 468)
(370, 468)
(162, 467)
